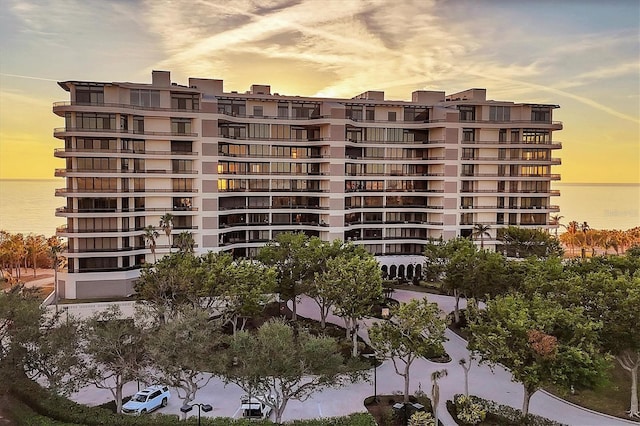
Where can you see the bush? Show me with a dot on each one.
(501, 415)
(469, 412)
(49, 406)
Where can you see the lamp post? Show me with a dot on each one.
(205, 407)
(373, 358)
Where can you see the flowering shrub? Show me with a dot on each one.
(497, 413)
(422, 418)
(469, 412)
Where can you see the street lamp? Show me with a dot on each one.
(373, 358)
(205, 407)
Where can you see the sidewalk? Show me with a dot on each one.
(496, 385)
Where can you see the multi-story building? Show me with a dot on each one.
(236, 169)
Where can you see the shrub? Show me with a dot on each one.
(422, 418)
(54, 408)
(502, 415)
(468, 411)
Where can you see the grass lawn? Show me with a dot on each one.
(612, 398)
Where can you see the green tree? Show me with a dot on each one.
(539, 341)
(181, 352)
(481, 231)
(276, 365)
(359, 279)
(20, 315)
(166, 223)
(173, 281)
(150, 236)
(524, 242)
(114, 351)
(465, 270)
(53, 353)
(35, 245)
(614, 301)
(185, 242)
(245, 292)
(415, 330)
(286, 255)
(321, 287)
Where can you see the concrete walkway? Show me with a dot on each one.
(493, 385)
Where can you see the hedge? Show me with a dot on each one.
(501, 415)
(65, 411)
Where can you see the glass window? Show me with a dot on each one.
(145, 97)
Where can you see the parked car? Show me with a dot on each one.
(252, 408)
(147, 400)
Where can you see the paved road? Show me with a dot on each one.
(494, 385)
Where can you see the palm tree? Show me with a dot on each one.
(555, 221)
(480, 230)
(150, 235)
(185, 242)
(55, 248)
(34, 246)
(435, 391)
(166, 223)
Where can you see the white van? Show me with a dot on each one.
(252, 408)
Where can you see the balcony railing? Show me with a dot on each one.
(60, 130)
(58, 152)
(61, 104)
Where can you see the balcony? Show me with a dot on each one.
(61, 132)
(62, 106)
(72, 152)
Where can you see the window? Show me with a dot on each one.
(181, 126)
(283, 110)
(535, 136)
(467, 169)
(91, 120)
(179, 166)
(232, 107)
(467, 112)
(305, 109)
(90, 95)
(186, 101)
(468, 135)
(178, 147)
(96, 144)
(499, 113)
(354, 112)
(259, 131)
(138, 124)
(541, 114)
(182, 185)
(415, 114)
(145, 97)
(257, 111)
(108, 164)
(370, 114)
(391, 116)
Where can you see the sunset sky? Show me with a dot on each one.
(582, 55)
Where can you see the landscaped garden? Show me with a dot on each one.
(555, 325)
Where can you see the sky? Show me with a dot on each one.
(583, 55)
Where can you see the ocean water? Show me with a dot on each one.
(28, 206)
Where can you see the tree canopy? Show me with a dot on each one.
(416, 329)
(539, 341)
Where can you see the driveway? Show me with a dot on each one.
(494, 385)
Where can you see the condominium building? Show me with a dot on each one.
(237, 169)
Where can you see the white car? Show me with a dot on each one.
(147, 400)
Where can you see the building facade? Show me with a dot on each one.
(236, 169)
